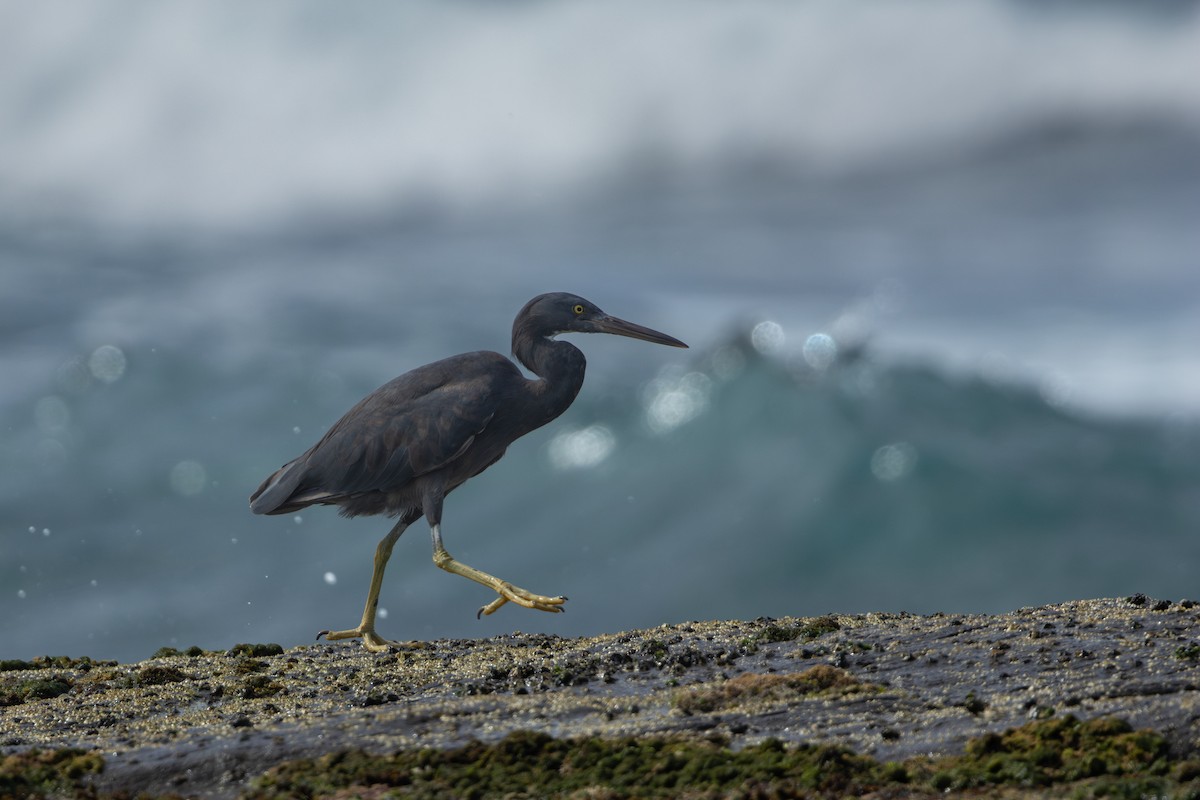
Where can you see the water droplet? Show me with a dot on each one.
(94, 583)
(107, 363)
(20, 594)
(33, 529)
(330, 578)
(298, 519)
(295, 429)
(381, 613)
(45, 531)
(188, 478)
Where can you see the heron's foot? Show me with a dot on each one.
(370, 639)
(508, 592)
(522, 597)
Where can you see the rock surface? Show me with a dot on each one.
(898, 685)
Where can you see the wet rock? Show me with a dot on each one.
(199, 723)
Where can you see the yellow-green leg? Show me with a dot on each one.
(504, 589)
(366, 629)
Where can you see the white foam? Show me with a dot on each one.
(219, 114)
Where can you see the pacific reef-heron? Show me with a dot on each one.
(418, 437)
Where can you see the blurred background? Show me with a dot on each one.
(937, 261)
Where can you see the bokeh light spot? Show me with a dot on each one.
(671, 403)
(820, 351)
(107, 363)
(767, 337)
(188, 478)
(585, 447)
(330, 578)
(893, 461)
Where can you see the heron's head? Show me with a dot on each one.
(561, 312)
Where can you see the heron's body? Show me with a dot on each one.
(415, 439)
(435, 426)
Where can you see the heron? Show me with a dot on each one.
(415, 439)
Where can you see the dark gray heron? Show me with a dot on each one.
(415, 439)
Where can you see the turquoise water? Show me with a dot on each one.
(942, 341)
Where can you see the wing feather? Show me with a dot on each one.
(410, 426)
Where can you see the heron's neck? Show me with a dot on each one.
(559, 366)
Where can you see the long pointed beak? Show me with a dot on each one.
(620, 327)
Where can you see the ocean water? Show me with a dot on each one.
(938, 262)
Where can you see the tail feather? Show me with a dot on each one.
(273, 495)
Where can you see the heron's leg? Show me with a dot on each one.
(366, 629)
(506, 590)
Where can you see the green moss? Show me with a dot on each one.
(16, 691)
(1057, 758)
(248, 666)
(48, 662)
(157, 676)
(37, 774)
(655, 648)
(807, 630)
(256, 686)
(974, 704)
(1056, 751)
(535, 765)
(1189, 652)
(171, 652)
(255, 650)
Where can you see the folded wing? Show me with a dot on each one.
(410, 426)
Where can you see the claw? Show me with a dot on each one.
(552, 605)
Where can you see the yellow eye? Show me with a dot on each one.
(578, 309)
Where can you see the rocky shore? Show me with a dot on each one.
(887, 700)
